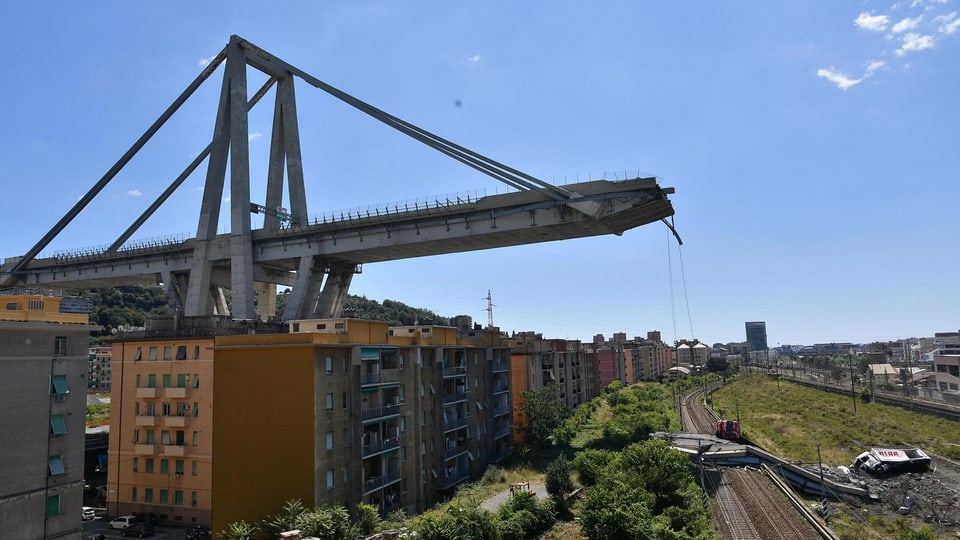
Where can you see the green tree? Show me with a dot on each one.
(559, 483)
(287, 519)
(328, 522)
(589, 464)
(460, 524)
(542, 412)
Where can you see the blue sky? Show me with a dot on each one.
(813, 147)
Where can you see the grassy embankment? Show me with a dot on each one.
(791, 420)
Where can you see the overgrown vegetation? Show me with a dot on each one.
(792, 420)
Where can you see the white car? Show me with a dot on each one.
(122, 522)
(88, 513)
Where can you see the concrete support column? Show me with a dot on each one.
(266, 300)
(334, 294)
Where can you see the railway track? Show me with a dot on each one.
(748, 505)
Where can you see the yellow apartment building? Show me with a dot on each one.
(331, 411)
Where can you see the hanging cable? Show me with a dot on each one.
(686, 298)
(673, 307)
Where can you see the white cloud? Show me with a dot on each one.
(915, 42)
(254, 135)
(134, 193)
(906, 24)
(948, 24)
(842, 81)
(876, 23)
(473, 59)
(204, 62)
(873, 66)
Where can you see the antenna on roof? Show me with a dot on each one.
(489, 309)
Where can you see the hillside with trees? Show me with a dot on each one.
(117, 307)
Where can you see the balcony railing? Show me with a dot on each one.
(501, 387)
(174, 450)
(176, 421)
(140, 448)
(382, 446)
(500, 367)
(454, 397)
(379, 412)
(176, 392)
(146, 420)
(455, 423)
(378, 482)
(147, 392)
(456, 371)
(501, 409)
(453, 477)
(381, 376)
(501, 432)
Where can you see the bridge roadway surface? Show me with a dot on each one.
(748, 505)
(379, 234)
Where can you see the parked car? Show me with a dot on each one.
(122, 522)
(140, 529)
(88, 513)
(149, 517)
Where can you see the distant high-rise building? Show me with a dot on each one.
(757, 335)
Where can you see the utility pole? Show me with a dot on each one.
(853, 388)
(489, 309)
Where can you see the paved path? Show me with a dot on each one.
(493, 503)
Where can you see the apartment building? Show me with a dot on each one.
(536, 361)
(99, 369)
(43, 372)
(946, 369)
(331, 411)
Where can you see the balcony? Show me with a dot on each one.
(454, 476)
(501, 387)
(146, 420)
(378, 482)
(176, 392)
(383, 446)
(456, 371)
(455, 423)
(454, 397)
(499, 367)
(374, 413)
(503, 432)
(174, 450)
(501, 409)
(145, 449)
(176, 421)
(147, 392)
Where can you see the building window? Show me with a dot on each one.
(151, 380)
(193, 498)
(58, 385)
(164, 496)
(403, 454)
(403, 424)
(168, 352)
(296, 327)
(346, 437)
(178, 497)
(55, 465)
(182, 380)
(196, 352)
(57, 425)
(151, 434)
(329, 402)
(329, 440)
(344, 400)
(136, 464)
(346, 474)
(196, 408)
(60, 346)
(133, 494)
(148, 495)
(166, 380)
(152, 353)
(328, 365)
(138, 355)
(329, 478)
(196, 438)
(195, 466)
(164, 466)
(196, 380)
(178, 467)
(148, 462)
(164, 437)
(181, 352)
(53, 505)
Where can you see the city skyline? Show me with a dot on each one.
(808, 146)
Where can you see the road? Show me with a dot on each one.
(99, 526)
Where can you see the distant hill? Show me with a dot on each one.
(133, 306)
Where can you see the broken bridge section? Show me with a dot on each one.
(316, 259)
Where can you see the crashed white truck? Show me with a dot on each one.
(890, 460)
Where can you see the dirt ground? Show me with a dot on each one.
(930, 498)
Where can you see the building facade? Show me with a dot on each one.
(99, 373)
(43, 372)
(757, 335)
(336, 411)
